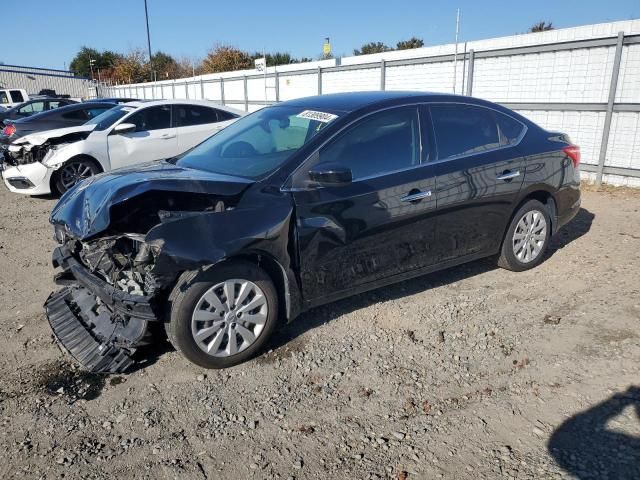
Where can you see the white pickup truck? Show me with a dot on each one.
(11, 97)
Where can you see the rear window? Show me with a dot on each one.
(16, 96)
(75, 115)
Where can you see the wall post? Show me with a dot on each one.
(607, 119)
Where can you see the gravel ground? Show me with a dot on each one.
(474, 372)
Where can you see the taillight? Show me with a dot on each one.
(573, 152)
(9, 130)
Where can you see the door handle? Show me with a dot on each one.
(414, 197)
(508, 175)
(166, 136)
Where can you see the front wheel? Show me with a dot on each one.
(72, 172)
(222, 316)
(527, 238)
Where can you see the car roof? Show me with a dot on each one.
(207, 103)
(62, 110)
(352, 101)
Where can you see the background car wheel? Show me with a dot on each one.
(527, 237)
(222, 316)
(72, 172)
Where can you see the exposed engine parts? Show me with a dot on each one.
(123, 261)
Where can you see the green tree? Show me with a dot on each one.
(372, 47)
(541, 27)
(413, 42)
(101, 61)
(224, 58)
(165, 66)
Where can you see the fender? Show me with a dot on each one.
(218, 236)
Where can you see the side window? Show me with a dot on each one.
(224, 116)
(381, 143)
(188, 115)
(75, 115)
(16, 96)
(463, 129)
(30, 109)
(3, 97)
(510, 129)
(152, 118)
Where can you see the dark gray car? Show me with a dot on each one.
(34, 107)
(62, 117)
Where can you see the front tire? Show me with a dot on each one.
(72, 172)
(527, 238)
(222, 316)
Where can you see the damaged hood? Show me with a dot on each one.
(85, 209)
(40, 137)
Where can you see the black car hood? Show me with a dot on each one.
(85, 209)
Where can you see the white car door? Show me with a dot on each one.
(153, 139)
(196, 123)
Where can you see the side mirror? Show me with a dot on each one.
(331, 174)
(124, 128)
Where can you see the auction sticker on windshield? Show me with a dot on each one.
(317, 116)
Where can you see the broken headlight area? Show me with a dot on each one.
(26, 154)
(110, 299)
(124, 261)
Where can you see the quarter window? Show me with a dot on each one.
(510, 129)
(464, 129)
(152, 118)
(382, 143)
(189, 115)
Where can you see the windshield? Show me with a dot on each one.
(258, 143)
(108, 118)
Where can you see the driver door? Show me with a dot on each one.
(153, 139)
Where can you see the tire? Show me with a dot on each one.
(524, 246)
(194, 308)
(79, 167)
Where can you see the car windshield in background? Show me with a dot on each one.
(108, 118)
(257, 144)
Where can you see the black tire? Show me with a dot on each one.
(83, 163)
(508, 258)
(189, 290)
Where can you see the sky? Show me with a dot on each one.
(42, 33)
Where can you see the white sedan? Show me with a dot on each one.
(55, 160)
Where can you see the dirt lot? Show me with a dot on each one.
(474, 372)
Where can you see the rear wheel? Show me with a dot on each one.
(527, 237)
(222, 316)
(72, 172)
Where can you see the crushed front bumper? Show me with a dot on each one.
(98, 324)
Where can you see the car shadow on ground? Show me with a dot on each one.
(587, 447)
(576, 228)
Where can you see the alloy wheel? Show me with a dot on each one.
(530, 236)
(229, 317)
(73, 173)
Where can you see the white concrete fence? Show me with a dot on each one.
(584, 81)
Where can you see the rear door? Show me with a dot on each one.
(380, 225)
(153, 139)
(479, 176)
(195, 123)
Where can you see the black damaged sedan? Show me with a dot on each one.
(297, 205)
